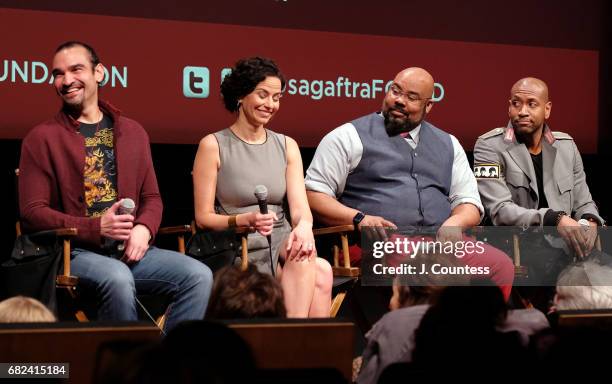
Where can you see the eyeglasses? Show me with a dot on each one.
(411, 97)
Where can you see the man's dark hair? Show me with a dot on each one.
(93, 56)
(238, 294)
(244, 78)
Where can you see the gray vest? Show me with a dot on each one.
(408, 187)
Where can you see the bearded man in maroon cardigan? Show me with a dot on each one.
(75, 168)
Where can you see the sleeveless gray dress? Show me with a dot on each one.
(243, 167)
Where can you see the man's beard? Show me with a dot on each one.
(73, 109)
(395, 126)
(74, 105)
(525, 134)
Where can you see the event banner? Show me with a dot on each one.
(166, 75)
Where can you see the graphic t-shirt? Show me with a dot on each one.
(100, 173)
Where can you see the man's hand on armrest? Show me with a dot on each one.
(463, 216)
(577, 237)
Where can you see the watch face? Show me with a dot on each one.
(584, 222)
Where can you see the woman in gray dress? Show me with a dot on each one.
(232, 162)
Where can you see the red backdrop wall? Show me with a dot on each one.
(476, 77)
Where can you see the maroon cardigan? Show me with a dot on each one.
(51, 187)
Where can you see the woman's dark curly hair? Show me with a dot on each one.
(244, 78)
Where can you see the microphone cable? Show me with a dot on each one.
(149, 315)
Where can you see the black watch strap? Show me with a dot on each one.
(552, 218)
(357, 219)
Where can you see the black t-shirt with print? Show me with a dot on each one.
(100, 173)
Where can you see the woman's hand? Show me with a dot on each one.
(300, 245)
(258, 221)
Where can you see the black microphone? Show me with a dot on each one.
(261, 194)
(126, 207)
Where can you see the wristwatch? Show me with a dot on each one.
(584, 222)
(560, 215)
(357, 219)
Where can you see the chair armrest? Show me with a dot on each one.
(64, 234)
(52, 234)
(335, 229)
(178, 229)
(342, 231)
(244, 230)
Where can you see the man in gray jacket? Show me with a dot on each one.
(535, 176)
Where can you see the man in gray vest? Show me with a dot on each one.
(393, 169)
(539, 178)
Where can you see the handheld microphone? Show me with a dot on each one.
(261, 194)
(126, 207)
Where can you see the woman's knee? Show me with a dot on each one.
(324, 274)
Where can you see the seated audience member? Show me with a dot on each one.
(461, 329)
(224, 180)
(20, 309)
(560, 353)
(117, 361)
(238, 294)
(584, 285)
(459, 337)
(539, 180)
(364, 171)
(391, 339)
(195, 352)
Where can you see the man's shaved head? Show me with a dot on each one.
(531, 85)
(408, 100)
(418, 77)
(529, 107)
